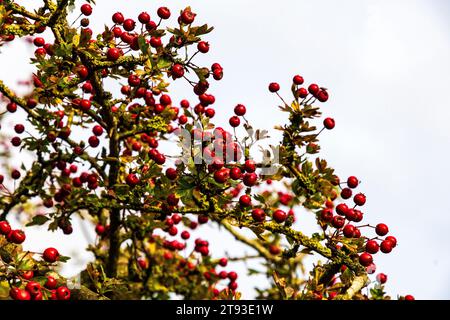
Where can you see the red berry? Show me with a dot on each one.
(250, 166)
(15, 174)
(232, 275)
(298, 80)
(329, 123)
(235, 173)
(221, 176)
(279, 216)
(133, 80)
(177, 70)
(365, 259)
(176, 218)
(27, 275)
(173, 231)
(223, 262)
(85, 104)
(87, 87)
(16, 236)
(409, 297)
(11, 107)
(210, 112)
(326, 215)
(51, 283)
(274, 87)
(171, 173)
(132, 180)
(163, 13)
(393, 240)
(97, 130)
(86, 9)
(322, 96)
(240, 110)
(172, 200)
(352, 182)
(113, 54)
(129, 24)
(165, 100)
(118, 18)
(359, 199)
(245, 200)
(93, 141)
(275, 250)
(234, 121)
(83, 72)
(160, 159)
(381, 229)
(144, 17)
(21, 295)
(184, 104)
(302, 93)
(182, 119)
(349, 231)
(313, 89)
(338, 222)
(386, 246)
(39, 42)
(33, 287)
(185, 235)
(50, 255)
(5, 228)
(372, 246)
(100, 229)
(203, 46)
(233, 285)
(342, 209)
(155, 42)
(143, 263)
(63, 293)
(381, 278)
(250, 179)
(258, 215)
(187, 16)
(346, 193)
(40, 52)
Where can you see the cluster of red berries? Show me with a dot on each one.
(316, 92)
(14, 236)
(33, 289)
(239, 111)
(346, 214)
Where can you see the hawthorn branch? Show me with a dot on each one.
(124, 61)
(8, 252)
(358, 283)
(57, 12)
(35, 176)
(250, 242)
(315, 245)
(7, 92)
(15, 8)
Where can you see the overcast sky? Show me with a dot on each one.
(386, 65)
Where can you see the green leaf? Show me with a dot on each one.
(122, 191)
(38, 220)
(63, 259)
(204, 29)
(143, 45)
(164, 63)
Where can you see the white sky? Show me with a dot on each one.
(386, 65)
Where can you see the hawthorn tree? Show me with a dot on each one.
(114, 87)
